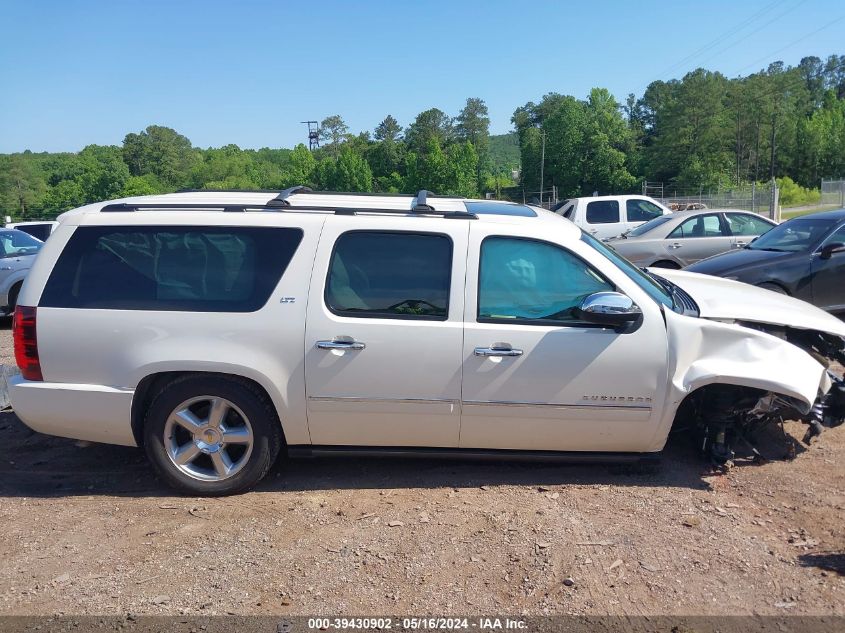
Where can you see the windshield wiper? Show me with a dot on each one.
(770, 248)
(667, 285)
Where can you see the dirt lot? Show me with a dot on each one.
(88, 529)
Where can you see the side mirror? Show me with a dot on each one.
(612, 309)
(829, 249)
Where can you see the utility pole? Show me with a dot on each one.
(542, 166)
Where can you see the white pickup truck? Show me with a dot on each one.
(217, 330)
(605, 217)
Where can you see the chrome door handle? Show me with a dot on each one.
(354, 345)
(497, 351)
(739, 244)
(675, 245)
(5, 268)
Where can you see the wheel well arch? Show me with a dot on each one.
(150, 385)
(690, 404)
(780, 285)
(672, 263)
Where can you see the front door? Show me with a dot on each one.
(699, 237)
(534, 376)
(828, 277)
(384, 332)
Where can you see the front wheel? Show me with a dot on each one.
(212, 435)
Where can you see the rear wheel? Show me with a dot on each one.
(665, 263)
(211, 435)
(774, 288)
(14, 291)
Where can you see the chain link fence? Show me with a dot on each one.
(833, 192)
(756, 197)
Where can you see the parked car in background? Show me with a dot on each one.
(804, 257)
(40, 229)
(17, 252)
(684, 237)
(609, 216)
(219, 329)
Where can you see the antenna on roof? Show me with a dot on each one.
(282, 199)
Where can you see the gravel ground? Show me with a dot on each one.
(88, 530)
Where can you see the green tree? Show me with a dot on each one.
(350, 172)
(300, 169)
(160, 151)
(22, 185)
(431, 125)
(388, 130)
(333, 132)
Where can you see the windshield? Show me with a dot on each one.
(15, 243)
(648, 226)
(641, 278)
(800, 234)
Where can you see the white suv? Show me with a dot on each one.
(216, 329)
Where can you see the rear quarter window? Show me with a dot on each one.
(603, 212)
(199, 269)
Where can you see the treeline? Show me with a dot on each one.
(438, 152)
(704, 131)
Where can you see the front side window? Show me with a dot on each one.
(798, 234)
(18, 243)
(602, 212)
(195, 269)
(642, 210)
(390, 275)
(526, 280)
(699, 226)
(745, 224)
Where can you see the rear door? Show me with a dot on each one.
(699, 237)
(603, 218)
(384, 332)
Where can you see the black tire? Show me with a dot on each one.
(665, 263)
(774, 288)
(261, 418)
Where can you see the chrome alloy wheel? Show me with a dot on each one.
(208, 438)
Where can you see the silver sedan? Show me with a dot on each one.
(682, 238)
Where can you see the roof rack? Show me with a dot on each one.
(279, 207)
(421, 202)
(282, 199)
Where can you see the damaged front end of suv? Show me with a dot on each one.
(727, 417)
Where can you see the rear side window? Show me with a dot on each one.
(642, 210)
(745, 224)
(198, 269)
(602, 212)
(38, 231)
(390, 275)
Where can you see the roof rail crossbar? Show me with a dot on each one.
(282, 199)
(421, 202)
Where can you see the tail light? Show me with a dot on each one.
(26, 343)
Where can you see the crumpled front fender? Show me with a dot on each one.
(705, 352)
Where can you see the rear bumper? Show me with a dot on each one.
(85, 412)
